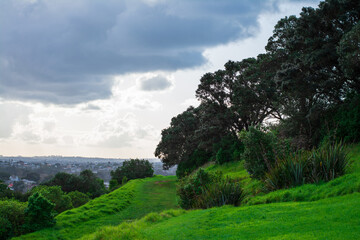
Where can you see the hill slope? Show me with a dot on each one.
(312, 211)
(134, 200)
(332, 218)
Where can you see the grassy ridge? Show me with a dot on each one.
(134, 200)
(332, 218)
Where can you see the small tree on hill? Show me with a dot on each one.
(132, 169)
(39, 214)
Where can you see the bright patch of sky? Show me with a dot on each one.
(103, 78)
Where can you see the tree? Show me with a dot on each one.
(309, 77)
(55, 195)
(33, 176)
(78, 198)
(177, 144)
(12, 218)
(245, 95)
(133, 169)
(39, 213)
(349, 56)
(86, 183)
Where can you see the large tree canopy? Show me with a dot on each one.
(311, 64)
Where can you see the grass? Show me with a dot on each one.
(332, 218)
(132, 201)
(312, 211)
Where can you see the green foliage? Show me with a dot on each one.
(347, 120)
(133, 169)
(192, 187)
(321, 165)
(329, 162)
(259, 153)
(349, 56)
(125, 204)
(39, 213)
(55, 195)
(289, 172)
(206, 189)
(113, 184)
(223, 192)
(33, 176)
(78, 198)
(323, 219)
(5, 192)
(228, 149)
(86, 183)
(12, 218)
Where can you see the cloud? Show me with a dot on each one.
(69, 51)
(11, 115)
(156, 83)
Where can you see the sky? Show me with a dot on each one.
(103, 78)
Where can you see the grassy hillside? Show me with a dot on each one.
(312, 211)
(332, 218)
(134, 200)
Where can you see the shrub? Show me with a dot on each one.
(328, 162)
(205, 190)
(55, 195)
(228, 149)
(133, 169)
(191, 187)
(259, 154)
(12, 217)
(78, 198)
(39, 213)
(289, 172)
(5, 192)
(224, 192)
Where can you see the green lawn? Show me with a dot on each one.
(312, 211)
(134, 200)
(332, 218)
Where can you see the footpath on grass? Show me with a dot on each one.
(132, 201)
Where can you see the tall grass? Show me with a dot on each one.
(320, 165)
(290, 171)
(329, 162)
(223, 192)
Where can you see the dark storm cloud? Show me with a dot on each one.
(156, 83)
(67, 51)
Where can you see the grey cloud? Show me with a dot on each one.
(67, 51)
(116, 141)
(156, 83)
(11, 114)
(92, 107)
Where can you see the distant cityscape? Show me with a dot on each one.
(23, 173)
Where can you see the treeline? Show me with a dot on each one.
(36, 209)
(308, 80)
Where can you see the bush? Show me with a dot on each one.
(55, 195)
(12, 218)
(205, 190)
(39, 214)
(198, 158)
(328, 162)
(5, 192)
(289, 172)
(228, 149)
(224, 192)
(133, 169)
(320, 165)
(78, 198)
(262, 149)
